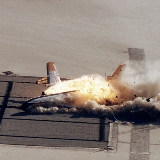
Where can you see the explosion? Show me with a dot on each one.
(92, 87)
(132, 96)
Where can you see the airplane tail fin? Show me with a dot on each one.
(52, 74)
(116, 72)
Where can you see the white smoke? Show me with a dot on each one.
(143, 79)
(138, 110)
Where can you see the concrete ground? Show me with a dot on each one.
(125, 149)
(68, 136)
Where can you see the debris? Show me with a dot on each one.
(9, 73)
(148, 99)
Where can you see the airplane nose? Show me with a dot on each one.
(24, 106)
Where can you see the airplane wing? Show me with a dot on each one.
(45, 80)
(49, 100)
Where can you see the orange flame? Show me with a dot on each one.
(92, 87)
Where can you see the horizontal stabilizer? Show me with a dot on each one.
(45, 80)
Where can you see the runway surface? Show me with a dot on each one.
(127, 140)
(58, 130)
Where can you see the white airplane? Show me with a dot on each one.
(53, 78)
(49, 100)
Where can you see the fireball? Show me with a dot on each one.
(92, 87)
